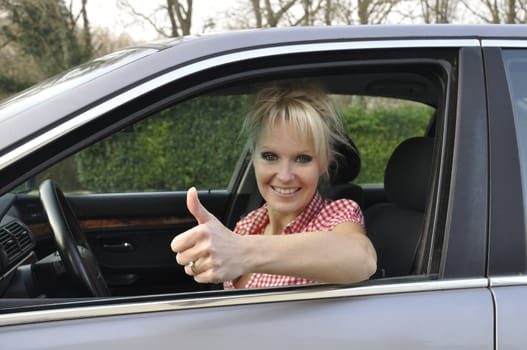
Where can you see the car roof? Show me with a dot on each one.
(56, 99)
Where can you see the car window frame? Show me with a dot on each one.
(507, 234)
(465, 242)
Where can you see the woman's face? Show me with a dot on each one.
(287, 169)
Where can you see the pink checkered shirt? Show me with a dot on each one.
(320, 215)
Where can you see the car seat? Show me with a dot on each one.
(395, 227)
(342, 172)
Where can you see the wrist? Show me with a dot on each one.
(250, 253)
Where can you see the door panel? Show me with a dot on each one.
(459, 319)
(130, 235)
(133, 247)
(511, 316)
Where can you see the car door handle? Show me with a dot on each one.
(119, 247)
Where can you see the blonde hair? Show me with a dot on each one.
(307, 107)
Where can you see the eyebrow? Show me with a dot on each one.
(269, 147)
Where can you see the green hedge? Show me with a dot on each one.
(377, 131)
(198, 142)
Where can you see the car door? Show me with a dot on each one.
(506, 64)
(444, 303)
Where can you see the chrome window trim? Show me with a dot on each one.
(325, 292)
(511, 43)
(76, 122)
(508, 281)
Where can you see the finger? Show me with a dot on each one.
(185, 240)
(195, 207)
(190, 268)
(207, 276)
(196, 267)
(192, 254)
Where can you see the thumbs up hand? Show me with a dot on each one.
(209, 251)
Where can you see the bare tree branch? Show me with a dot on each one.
(184, 16)
(125, 5)
(172, 18)
(438, 11)
(273, 18)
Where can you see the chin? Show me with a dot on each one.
(287, 207)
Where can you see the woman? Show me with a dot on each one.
(292, 131)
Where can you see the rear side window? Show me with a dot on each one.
(516, 69)
(377, 125)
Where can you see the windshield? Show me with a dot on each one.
(69, 79)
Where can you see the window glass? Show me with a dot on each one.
(168, 151)
(377, 125)
(516, 68)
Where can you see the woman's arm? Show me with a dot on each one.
(344, 255)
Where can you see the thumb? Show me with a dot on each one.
(196, 208)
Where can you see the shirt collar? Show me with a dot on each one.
(301, 221)
(261, 217)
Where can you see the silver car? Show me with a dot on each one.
(95, 163)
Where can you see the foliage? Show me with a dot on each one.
(198, 142)
(195, 143)
(11, 85)
(40, 39)
(44, 30)
(378, 130)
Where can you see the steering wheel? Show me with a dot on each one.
(71, 241)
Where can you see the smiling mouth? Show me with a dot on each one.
(285, 191)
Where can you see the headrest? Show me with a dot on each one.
(408, 173)
(346, 166)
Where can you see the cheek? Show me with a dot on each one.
(261, 172)
(314, 171)
(314, 176)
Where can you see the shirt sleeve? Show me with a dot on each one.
(341, 210)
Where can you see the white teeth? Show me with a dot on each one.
(285, 190)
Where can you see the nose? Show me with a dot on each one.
(285, 171)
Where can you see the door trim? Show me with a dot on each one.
(197, 301)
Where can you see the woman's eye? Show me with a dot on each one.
(304, 158)
(268, 156)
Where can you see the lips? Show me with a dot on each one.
(285, 191)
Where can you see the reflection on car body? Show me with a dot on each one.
(436, 113)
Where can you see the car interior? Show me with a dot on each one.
(57, 246)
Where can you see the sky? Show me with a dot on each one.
(106, 14)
